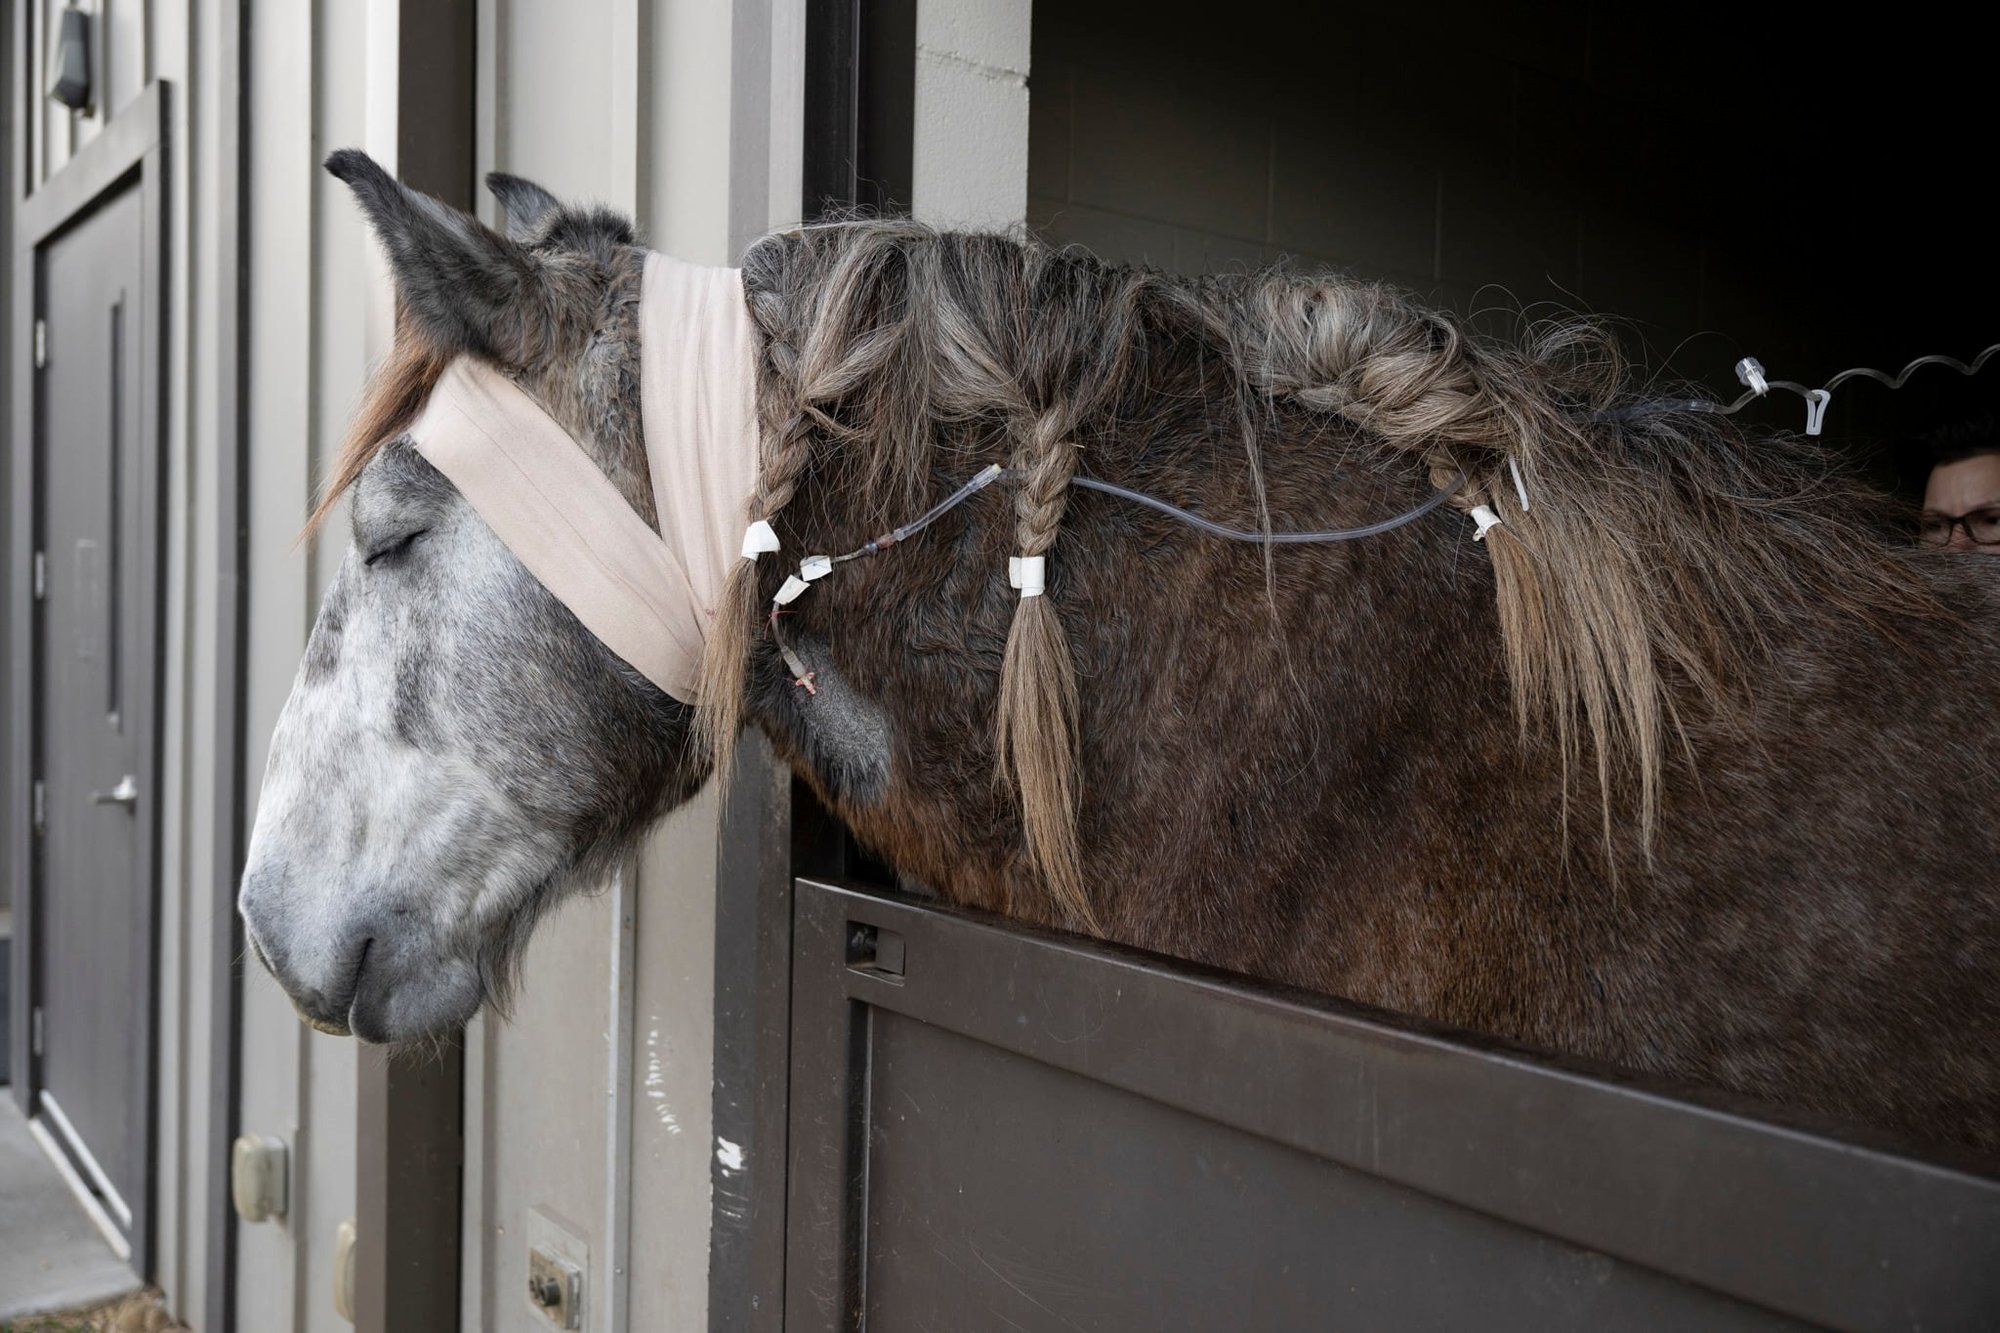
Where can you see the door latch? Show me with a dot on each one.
(126, 793)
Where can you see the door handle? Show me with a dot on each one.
(126, 793)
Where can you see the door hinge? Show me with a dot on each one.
(41, 807)
(41, 344)
(35, 1030)
(41, 575)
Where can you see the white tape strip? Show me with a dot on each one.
(757, 539)
(815, 567)
(1025, 572)
(793, 586)
(1486, 519)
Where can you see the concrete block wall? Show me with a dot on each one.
(969, 150)
(1500, 159)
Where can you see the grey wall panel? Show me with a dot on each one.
(544, 1111)
(11, 139)
(269, 1289)
(661, 108)
(540, 1138)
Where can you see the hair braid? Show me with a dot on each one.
(1037, 714)
(787, 430)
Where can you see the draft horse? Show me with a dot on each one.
(1647, 746)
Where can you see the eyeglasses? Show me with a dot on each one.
(1982, 527)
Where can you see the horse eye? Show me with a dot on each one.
(395, 547)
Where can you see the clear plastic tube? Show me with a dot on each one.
(994, 472)
(1816, 399)
(1215, 529)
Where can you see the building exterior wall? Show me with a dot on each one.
(969, 161)
(137, 43)
(10, 191)
(317, 319)
(593, 1103)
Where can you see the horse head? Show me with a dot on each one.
(458, 753)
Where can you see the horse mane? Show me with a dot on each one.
(1642, 579)
(390, 401)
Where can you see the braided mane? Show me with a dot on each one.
(1636, 584)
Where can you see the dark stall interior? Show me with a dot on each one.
(1721, 180)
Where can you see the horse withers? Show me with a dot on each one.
(1645, 748)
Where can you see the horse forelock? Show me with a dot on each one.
(584, 368)
(390, 401)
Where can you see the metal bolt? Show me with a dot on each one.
(545, 1291)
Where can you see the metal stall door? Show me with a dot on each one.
(999, 1128)
(94, 913)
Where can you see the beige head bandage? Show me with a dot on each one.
(647, 596)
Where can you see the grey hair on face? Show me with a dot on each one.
(459, 753)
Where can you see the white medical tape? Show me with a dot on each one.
(1025, 572)
(758, 538)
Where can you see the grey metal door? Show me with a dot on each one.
(992, 1127)
(94, 690)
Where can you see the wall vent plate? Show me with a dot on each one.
(558, 1277)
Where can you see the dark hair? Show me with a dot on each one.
(1956, 441)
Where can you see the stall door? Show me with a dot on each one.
(94, 907)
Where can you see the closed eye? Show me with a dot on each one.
(390, 549)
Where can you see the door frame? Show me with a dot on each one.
(130, 152)
(857, 137)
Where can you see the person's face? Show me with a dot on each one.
(1967, 490)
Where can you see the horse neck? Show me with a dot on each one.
(1361, 689)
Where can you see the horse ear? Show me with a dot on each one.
(529, 207)
(466, 287)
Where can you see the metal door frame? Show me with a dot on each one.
(858, 133)
(130, 152)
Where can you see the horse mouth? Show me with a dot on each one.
(330, 1027)
(335, 1020)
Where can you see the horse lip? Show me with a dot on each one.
(257, 952)
(330, 1027)
(339, 1019)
